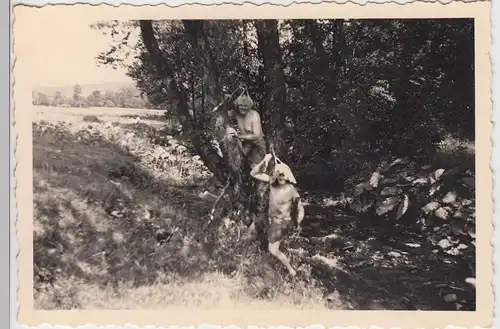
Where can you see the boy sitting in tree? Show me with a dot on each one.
(250, 127)
(254, 147)
(285, 205)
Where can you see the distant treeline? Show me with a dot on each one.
(123, 98)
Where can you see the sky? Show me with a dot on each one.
(64, 54)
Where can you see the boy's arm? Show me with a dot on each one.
(300, 212)
(300, 206)
(258, 172)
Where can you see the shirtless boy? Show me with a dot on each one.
(284, 201)
(250, 127)
(254, 147)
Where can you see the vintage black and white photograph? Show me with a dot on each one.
(285, 163)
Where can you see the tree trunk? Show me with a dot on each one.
(275, 107)
(204, 55)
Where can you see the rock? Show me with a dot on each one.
(431, 206)
(391, 190)
(387, 205)
(118, 237)
(444, 243)
(362, 187)
(375, 178)
(450, 298)
(399, 161)
(471, 281)
(117, 214)
(450, 197)
(420, 181)
(441, 213)
(434, 189)
(453, 252)
(472, 232)
(466, 202)
(438, 173)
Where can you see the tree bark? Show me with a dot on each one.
(275, 107)
(204, 55)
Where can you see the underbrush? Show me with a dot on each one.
(119, 223)
(435, 203)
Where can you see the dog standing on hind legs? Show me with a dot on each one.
(285, 205)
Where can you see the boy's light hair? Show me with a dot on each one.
(244, 100)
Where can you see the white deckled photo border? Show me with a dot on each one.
(20, 176)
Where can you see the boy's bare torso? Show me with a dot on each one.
(249, 124)
(246, 122)
(281, 199)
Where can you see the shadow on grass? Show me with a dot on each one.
(100, 217)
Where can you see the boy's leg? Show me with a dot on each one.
(274, 249)
(276, 232)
